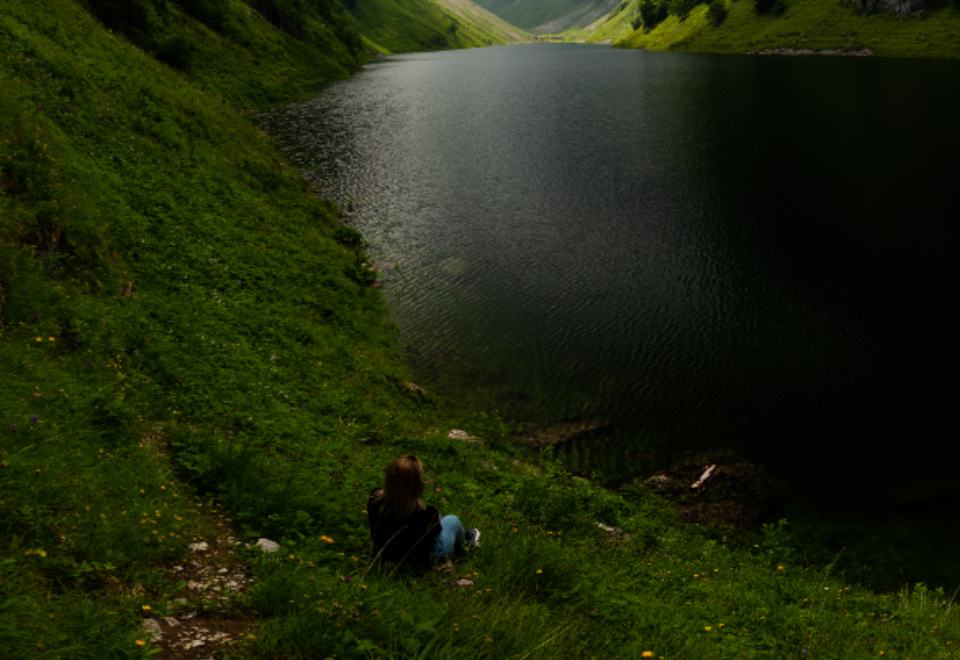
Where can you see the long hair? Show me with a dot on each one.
(402, 488)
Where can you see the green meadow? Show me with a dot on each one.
(815, 25)
(191, 352)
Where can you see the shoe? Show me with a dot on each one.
(472, 537)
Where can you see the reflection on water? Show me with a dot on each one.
(704, 251)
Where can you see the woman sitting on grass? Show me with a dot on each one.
(404, 530)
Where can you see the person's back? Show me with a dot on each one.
(405, 530)
(407, 539)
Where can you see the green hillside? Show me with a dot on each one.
(192, 358)
(415, 25)
(547, 16)
(798, 25)
(613, 27)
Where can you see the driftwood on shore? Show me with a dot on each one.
(707, 480)
(719, 488)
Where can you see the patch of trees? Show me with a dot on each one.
(774, 7)
(716, 12)
(654, 12)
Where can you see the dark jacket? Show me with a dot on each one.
(409, 540)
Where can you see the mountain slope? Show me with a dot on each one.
(544, 16)
(417, 25)
(803, 25)
(616, 25)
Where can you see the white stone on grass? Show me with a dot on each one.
(458, 434)
(152, 628)
(267, 545)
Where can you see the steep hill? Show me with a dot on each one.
(548, 16)
(613, 27)
(413, 25)
(787, 25)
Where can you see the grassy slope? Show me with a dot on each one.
(182, 329)
(493, 25)
(611, 28)
(532, 14)
(415, 25)
(808, 24)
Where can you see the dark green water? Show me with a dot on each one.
(703, 251)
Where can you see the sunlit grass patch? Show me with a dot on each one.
(814, 25)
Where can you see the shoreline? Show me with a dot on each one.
(805, 27)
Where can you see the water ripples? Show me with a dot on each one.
(635, 236)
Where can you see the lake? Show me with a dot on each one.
(694, 251)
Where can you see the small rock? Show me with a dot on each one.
(170, 622)
(614, 533)
(222, 571)
(198, 547)
(457, 434)
(658, 480)
(193, 585)
(152, 628)
(266, 545)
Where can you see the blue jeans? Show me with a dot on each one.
(451, 537)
